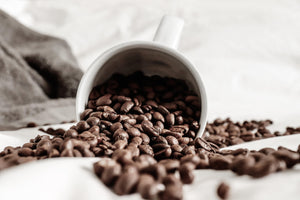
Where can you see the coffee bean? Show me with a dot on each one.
(290, 158)
(115, 127)
(71, 133)
(164, 153)
(176, 148)
(159, 140)
(223, 190)
(151, 131)
(120, 144)
(126, 182)
(133, 132)
(171, 140)
(170, 165)
(190, 158)
(147, 187)
(146, 149)
(25, 151)
(267, 150)
(159, 117)
(145, 138)
(263, 167)
(186, 172)
(104, 100)
(111, 173)
(179, 120)
(134, 150)
(219, 162)
(92, 121)
(163, 110)
(82, 126)
(126, 107)
(158, 171)
(242, 164)
(122, 156)
(85, 113)
(120, 134)
(201, 143)
(170, 119)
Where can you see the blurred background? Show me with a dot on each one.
(247, 52)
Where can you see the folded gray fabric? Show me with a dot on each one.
(38, 77)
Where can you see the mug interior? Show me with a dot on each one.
(150, 62)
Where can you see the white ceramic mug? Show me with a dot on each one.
(159, 57)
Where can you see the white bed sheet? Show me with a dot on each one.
(248, 54)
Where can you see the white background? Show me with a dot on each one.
(248, 54)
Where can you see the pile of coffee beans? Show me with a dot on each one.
(225, 133)
(144, 129)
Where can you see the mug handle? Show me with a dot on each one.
(169, 31)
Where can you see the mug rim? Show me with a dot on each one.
(106, 55)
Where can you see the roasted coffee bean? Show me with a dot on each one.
(195, 159)
(159, 140)
(85, 113)
(146, 149)
(151, 131)
(172, 190)
(163, 110)
(71, 133)
(186, 172)
(145, 138)
(133, 132)
(267, 150)
(201, 143)
(160, 146)
(263, 167)
(159, 117)
(120, 134)
(219, 162)
(176, 148)
(126, 107)
(152, 103)
(136, 141)
(122, 156)
(82, 126)
(170, 119)
(157, 170)
(242, 164)
(126, 182)
(115, 127)
(171, 140)
(164, 153)
(166, 133)
(290, 158)
(147, 187)
(29, 145)
(92, 121)
(43, 147)
(104, 100)
(135, 151)
(25, 151)
(223, 190)
(171, 165)
(188, 150)
(120, 144)
(95, 130)
(111, 173)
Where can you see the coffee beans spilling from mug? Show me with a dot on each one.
(144, 129)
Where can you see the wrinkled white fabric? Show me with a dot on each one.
(248, 55)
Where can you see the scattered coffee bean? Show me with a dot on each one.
(223, 190)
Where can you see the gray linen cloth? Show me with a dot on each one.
(38, 77)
